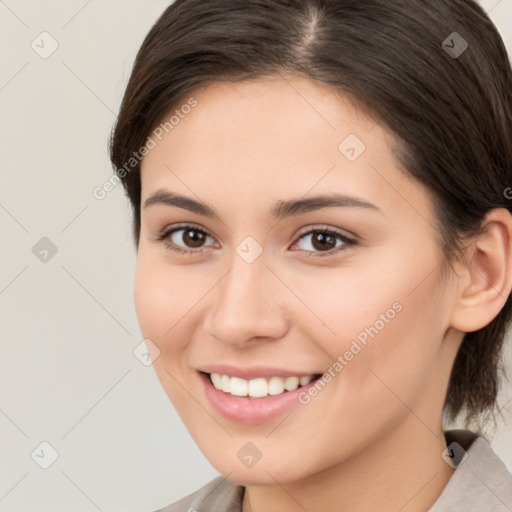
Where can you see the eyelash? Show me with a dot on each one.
(349, 242)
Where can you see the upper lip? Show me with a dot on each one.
(252, 372)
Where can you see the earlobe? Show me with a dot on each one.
(486, 281)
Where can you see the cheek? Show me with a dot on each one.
(388, 303)
(383, 333)
(149, 306)
(161, 299)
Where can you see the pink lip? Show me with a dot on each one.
(251, 373)
(251, 411)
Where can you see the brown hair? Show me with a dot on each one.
(406, 63)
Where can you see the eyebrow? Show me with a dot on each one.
(279, 211)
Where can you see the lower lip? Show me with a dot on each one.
(251, 411)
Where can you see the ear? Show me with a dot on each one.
(485, 281)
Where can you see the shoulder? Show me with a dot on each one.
(481, 480)
(219, 494)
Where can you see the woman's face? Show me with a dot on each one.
(311, 254)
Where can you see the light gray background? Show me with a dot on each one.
(68, 328)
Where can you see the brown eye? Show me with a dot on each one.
(184, 239)
(193, 237)
(325, 241)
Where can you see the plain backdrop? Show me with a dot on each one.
(68, 375)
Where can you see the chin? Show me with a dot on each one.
(266, 471)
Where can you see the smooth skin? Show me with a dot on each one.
(372, 439)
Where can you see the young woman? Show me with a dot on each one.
(321, 209)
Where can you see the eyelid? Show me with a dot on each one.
(348, 240)
(325, 227)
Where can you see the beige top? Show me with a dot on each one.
(481, 482)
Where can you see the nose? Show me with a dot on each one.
(249, 304)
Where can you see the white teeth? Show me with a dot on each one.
(291, 383)
(275, 386)
(238, 386)
(217, 380)
(260, 387)
(226, 384)
(305, 380)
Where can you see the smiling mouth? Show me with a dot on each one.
(259, 387)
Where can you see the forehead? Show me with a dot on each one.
(272, 112)
(274, 138)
